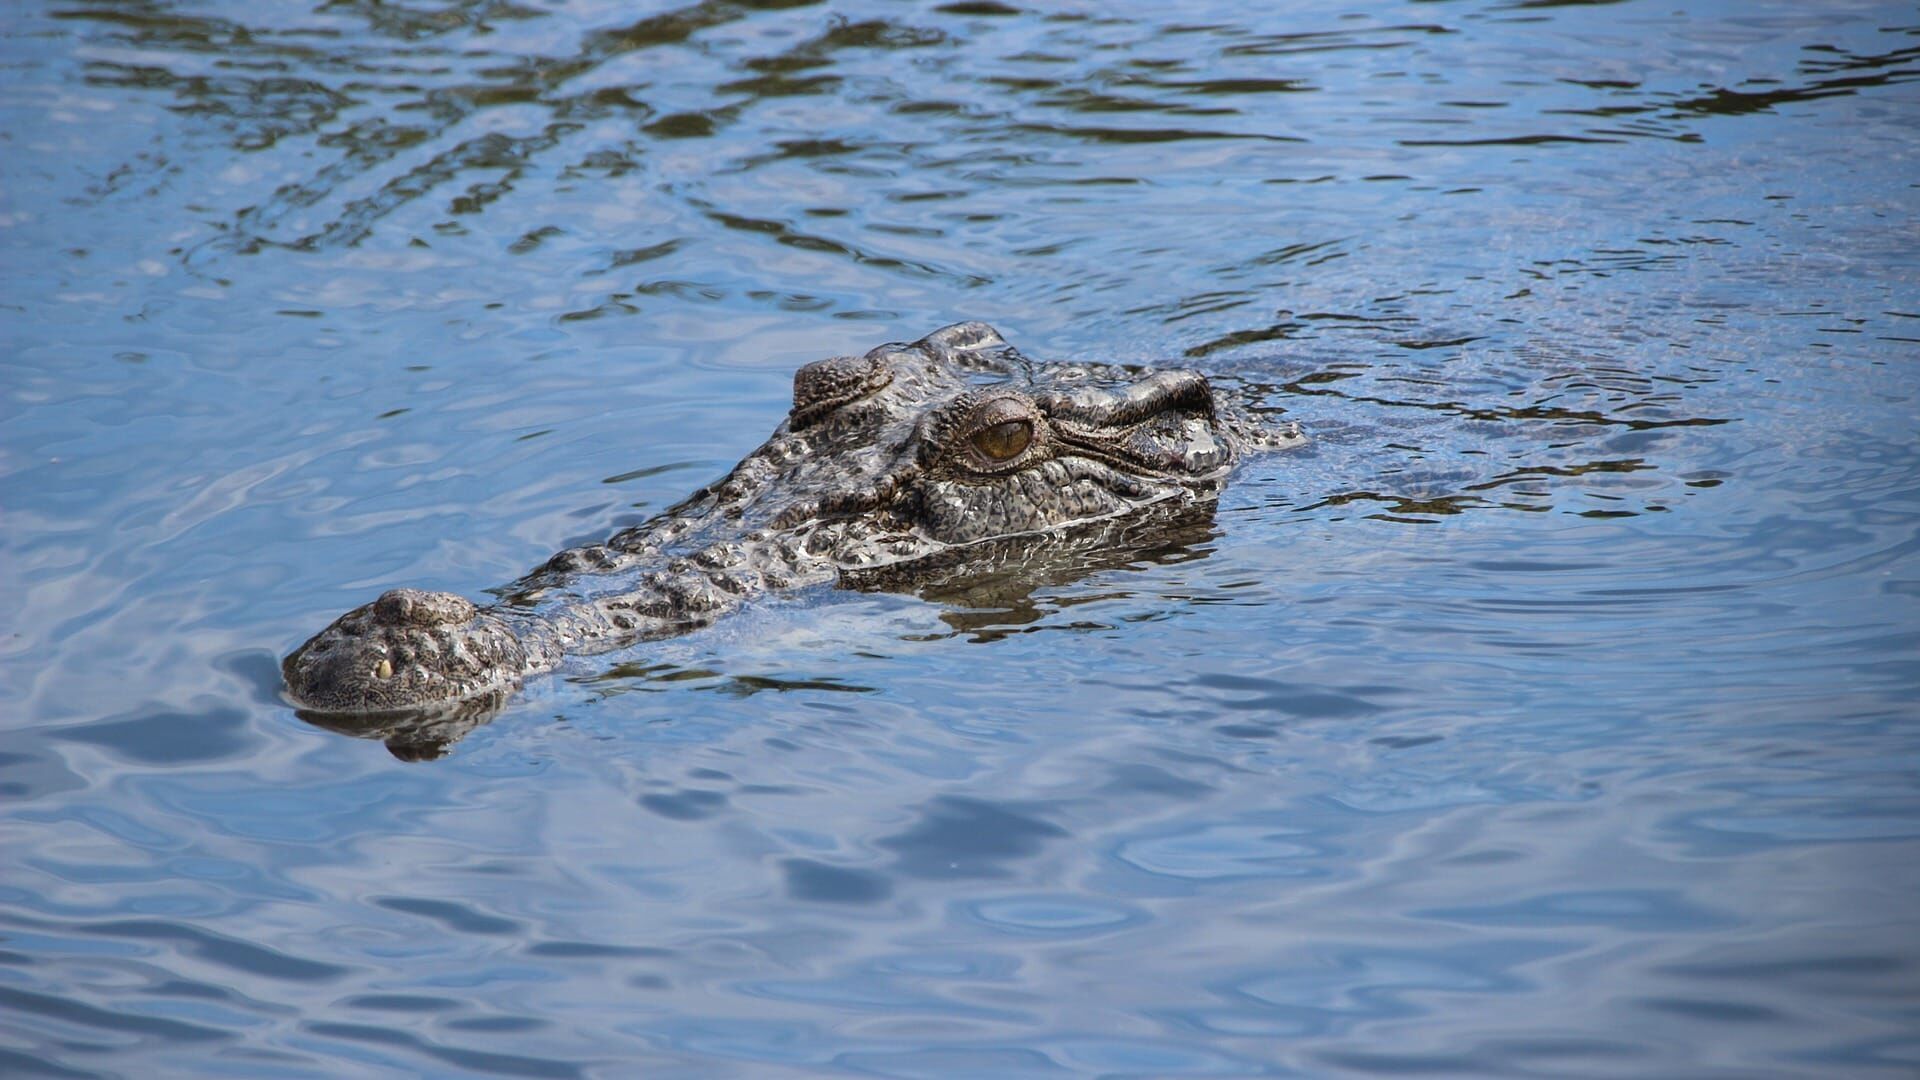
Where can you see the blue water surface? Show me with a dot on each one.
(1554, 713)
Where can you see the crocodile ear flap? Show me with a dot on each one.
(974, 346)
(825, 385)
(962, 337)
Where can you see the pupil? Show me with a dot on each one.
(1003, 441)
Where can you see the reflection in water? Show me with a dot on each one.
(1550, 714)
(413, 734)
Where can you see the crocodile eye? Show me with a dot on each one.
(1003, 441)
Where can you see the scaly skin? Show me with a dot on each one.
(907, 455)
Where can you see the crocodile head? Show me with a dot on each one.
(911, 452)
(908, 457)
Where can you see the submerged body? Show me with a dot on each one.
(908, 457)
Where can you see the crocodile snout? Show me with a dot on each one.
(408, 649)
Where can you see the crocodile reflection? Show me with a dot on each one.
(952, 459)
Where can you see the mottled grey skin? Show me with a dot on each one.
(888, 461)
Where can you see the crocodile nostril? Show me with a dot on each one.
(394, 606)
(417, 607)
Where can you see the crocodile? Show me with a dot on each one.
(901, 462)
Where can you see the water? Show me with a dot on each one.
(1553, 714)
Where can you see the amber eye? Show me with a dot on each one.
(1003, 441)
